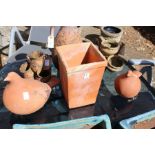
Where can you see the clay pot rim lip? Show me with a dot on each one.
(110, 51)
(114, 27)
(108, 34)
(118, 45)
(117, 57)
(75, 44)
(69, 69)
(114, 68)
(86, 67)
(107, 54)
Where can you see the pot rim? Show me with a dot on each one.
(111, 66)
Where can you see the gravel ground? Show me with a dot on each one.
(139, 41)
(5, 39)
(137, 45)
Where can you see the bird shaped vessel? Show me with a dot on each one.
(24, 96)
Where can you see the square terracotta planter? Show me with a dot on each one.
(81, 70)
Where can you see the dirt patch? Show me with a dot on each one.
(147, 32)
(137, 46)
(147, 124)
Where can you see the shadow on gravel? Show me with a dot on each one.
(147, 32)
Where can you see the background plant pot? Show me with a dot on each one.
(112, 33)
(81, 69)
(66, 35)
(115, 63)
(111, 50)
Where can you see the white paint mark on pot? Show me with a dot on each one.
(86, 76)
(26, 96)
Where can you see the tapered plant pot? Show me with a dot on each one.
(81, 71)
(112, 33)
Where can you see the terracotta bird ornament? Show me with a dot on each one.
(24, 96)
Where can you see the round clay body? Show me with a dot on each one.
(24, 96)
(128, 85)
(68, 35)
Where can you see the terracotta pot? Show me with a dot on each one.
(128, 85)
(115, 63)
(24, 96)
(112, 33)
(66, 35)
(109, 48)
(81, 70)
